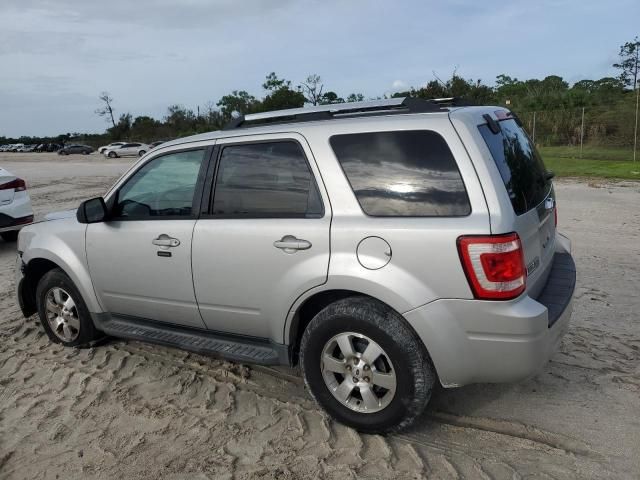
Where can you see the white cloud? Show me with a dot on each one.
(399, 85)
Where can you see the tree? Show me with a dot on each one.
(238, 102)
(106, 111)
(281, 95)
(355, 97)
(629, 63)
(329, 98)
(273, 83)
(122, 129)
(312, 87)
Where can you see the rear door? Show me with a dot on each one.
(264, 239)
(530, 190)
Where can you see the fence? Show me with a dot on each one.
(600, 132)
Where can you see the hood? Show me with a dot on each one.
(60, 215)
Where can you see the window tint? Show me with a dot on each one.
(265, 180)
(520, 166)
(402, 173)
(163, 187)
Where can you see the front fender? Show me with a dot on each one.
(63, 243)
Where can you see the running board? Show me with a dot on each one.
(234, 348)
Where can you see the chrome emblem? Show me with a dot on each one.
(533, 265)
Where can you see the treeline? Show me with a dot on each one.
(610, 103)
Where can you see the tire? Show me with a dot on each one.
(78, 321)
(141, 153)
(112, 155)
(365, 322)
(10, 236)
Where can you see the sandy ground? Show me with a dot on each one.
(131, 410)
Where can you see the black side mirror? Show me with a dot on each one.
(93, 210)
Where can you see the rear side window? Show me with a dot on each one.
(402, 174)
(519, 163)
(265, 180)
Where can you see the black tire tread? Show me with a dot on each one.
(88, 332)
(387, 320)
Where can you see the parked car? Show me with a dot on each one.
(381, 253)
(15, 205)
(16, 147)
(5, 148)
(26, 148)
(111, 145)
(155, 144)
(127, 150)
(71, 149)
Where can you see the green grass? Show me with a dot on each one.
(604, 162)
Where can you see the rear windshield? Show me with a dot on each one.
(519, 163)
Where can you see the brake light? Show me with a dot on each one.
(18, 185)
(494, 265)
(555, 215)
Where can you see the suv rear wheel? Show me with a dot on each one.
(62, 311)
(365, 366)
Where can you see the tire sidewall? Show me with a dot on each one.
(407, 402)
(57, 278)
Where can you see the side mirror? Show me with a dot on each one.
(93, 210)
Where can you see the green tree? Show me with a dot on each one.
(239, 102)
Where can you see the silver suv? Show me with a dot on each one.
(381, 246)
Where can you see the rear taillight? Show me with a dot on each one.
(494, 265)
(18, 185)
(555, 215)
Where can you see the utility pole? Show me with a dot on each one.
(637, 88)
(582, 132)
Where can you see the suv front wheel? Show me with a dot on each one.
(365, 366)
(62, 311)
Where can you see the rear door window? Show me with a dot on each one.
(402, 173)
(521, 168)
(265, 180)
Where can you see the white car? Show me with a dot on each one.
(127, 150)
(15, 205)
(111, 145)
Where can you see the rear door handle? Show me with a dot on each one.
(165, 240)
(291, 244)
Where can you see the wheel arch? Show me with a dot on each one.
(308, 307)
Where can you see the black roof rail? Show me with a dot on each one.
(339, 110)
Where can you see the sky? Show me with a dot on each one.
(56, 56)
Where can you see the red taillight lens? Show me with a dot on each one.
(18, 185)
(555, 215)
(494, 265)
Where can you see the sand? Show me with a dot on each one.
(132, 410)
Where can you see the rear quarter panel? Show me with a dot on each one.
(424, 264)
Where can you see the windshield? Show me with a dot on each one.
(519, 163)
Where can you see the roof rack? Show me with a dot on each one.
(339, 110)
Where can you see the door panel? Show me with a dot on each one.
(266, 239)
(130, 277)
(140, 260)
(244, 284)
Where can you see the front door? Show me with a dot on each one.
(266, 238)
(140, 260)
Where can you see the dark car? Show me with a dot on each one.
(84, 149)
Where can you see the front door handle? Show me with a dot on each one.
(291, 244)
(165, 240)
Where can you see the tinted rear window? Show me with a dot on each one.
(402, 173)
(519, 163)
(270, 179)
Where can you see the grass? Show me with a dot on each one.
(604, 162)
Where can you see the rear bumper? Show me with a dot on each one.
(476, 341)
(16, 214)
